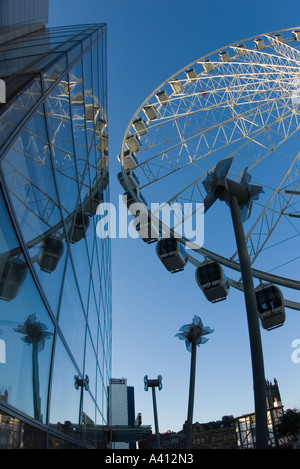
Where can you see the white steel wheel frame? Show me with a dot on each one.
(241, 102)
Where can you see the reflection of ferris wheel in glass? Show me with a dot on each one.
(79, 160)
(240, 104)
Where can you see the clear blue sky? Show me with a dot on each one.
(148, 41)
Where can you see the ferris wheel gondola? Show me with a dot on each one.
(270, 306)
(12, 277)
(146, 228)
(131, 200)
(51, 252)
(212, 280)
(172, 254)
(132, 179)
(81, 224)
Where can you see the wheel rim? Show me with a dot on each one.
(245, 108)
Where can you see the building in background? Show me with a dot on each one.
(121, 408)
(55, 272)
(228, 433)
(246, 424)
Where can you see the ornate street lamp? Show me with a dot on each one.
(193, 335)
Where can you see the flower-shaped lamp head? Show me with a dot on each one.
(35, 332)
(193, 333)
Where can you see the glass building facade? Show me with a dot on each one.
(55, 272)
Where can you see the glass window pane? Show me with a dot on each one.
(71, 317)
(93, 320)
(101, 418)
(88, 420)
(73, 53)
(79, 107)
(28, 172)
(82, 268)
(13, 112)
(65, 398)
(50, 258)
(60, 129)
(56, 69)
(26, 330)
(90, 367)
(26, 339)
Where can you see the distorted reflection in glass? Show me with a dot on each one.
(88, 419)
(49, 258)
(77, 99)
(100, 418)
(93, 317)
(71, 317)
(65, 398)
(90, 366)
(12, 113)
(29, 175)
(60, 129)
(90, 94)
(28, 339)
(28, 172)
(81, 265)
(26, 352)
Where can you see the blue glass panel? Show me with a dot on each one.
(100, 393)
(93, 321)
(88, 419)
(28, 172)
(65, 398)
(89, 92)
(50, 255)
(91, 237)
(96, 269)
(61, 137)
(101, 351)
(55, 70)
(90, 366)
(71, 317)
(78, 100)
(26, 334)
(82, 269)
(99, 418)
(74, 53)
(13, 112)
(29, 176)
(8, 239)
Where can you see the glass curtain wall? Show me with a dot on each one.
(55, 277)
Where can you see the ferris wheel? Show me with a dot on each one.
(236, 109)
(225, 129)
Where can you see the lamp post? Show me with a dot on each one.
(81, 383)
(239, 197)
(154, 383)
(193, 336)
